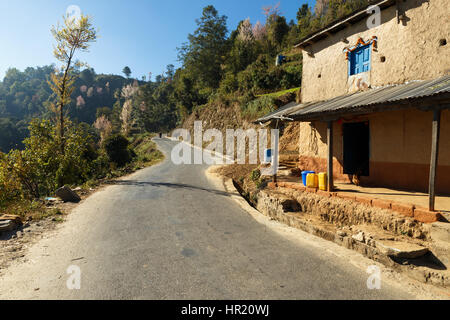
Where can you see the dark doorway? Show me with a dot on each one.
(356, 148)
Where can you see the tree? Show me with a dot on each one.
(204, 54)
(245, 31)
(271, 11)
(170, 71)
(259, 31)
(126, 115)
(277, 29)
(127, 71)
(304, 16)
(321, 7)
(104, 125)
(76, 34)
(116, 147)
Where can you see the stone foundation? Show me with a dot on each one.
(340, 212)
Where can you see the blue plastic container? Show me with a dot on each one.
(304, 174)
(268, 156)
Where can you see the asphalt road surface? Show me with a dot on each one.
(168, 232)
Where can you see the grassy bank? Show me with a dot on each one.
(279, 93)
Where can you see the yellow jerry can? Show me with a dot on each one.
(323, 183)
(312, 180)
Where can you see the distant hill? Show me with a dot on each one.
(26, 95)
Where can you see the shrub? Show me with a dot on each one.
(41, 167)
(9, 186)
(229, 84)
(255, 175)
(258, 107)
(116, 147)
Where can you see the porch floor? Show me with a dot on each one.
(408, 197)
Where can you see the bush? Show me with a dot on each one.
(116, 147)
(255, 175)
(9, 186)
(41, 167)
(258, 107)
(229, 84)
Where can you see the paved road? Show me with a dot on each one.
(167, 232)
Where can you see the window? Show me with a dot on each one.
(359, 60)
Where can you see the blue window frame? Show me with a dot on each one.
(359, 60)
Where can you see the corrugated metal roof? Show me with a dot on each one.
(361, 101)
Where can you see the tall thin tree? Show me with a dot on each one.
(76, 34)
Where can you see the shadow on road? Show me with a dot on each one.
(166, 185)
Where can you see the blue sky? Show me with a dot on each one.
(142, 34)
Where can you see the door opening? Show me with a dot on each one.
(356, 148)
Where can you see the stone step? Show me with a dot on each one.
(402, 250)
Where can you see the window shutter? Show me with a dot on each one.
(360, 60)
(366, 59)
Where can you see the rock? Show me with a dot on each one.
(12, 217)
(7, 225)
(359, 237)
(341, 233)
(9, 222)
(401, 249)
(371, 242)
(67, 195)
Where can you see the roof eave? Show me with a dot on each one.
(438, 101)
(341, 24)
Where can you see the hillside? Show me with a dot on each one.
(27, 95)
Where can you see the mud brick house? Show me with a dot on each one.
(375, 100)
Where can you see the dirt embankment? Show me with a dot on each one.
(229, 115)
(218, 116)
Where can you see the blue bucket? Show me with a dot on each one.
(304, 174)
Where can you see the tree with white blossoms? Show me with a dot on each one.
(104, 125)
(80, 101)
(126, 116)
(259, 31)
(321, 7)
(245, 31)
(271, 12)
(130, 90)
